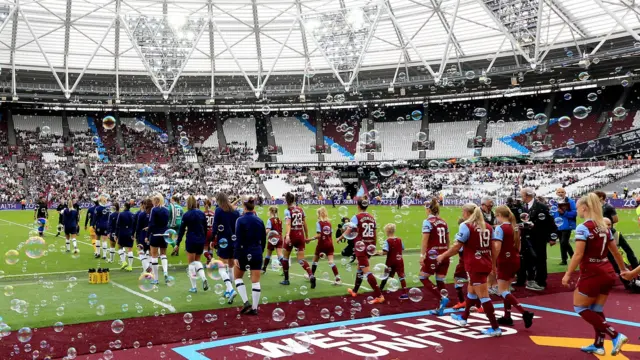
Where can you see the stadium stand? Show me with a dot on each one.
(240, 132)
(396, 140)
(451, 138)
(295, 139)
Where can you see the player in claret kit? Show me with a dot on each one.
(325, 243)
(475, 235)
(506, 257)
(296, 233)
(393, 248)
(274, 237)
(209, 215)
(364, 226)
(435, 241)
(597, 277)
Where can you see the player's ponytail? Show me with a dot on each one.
(476, 218)
(273, 211)
(323, 215)
(594, 209)
(504, 212)
(434, 206)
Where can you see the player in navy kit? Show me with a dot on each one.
(140, 226)
(101, 224)
(194, 224)
(597, 277)
(124, 236)
(475, 235)
(71, 218)
(224, 227)
(158, 225)
(113, 219)
(247, 254)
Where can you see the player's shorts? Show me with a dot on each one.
(295, 243)
(226, 253)
(397, 267)
(507, 270)
(363, 261)
(595, 285)
(251, 258)
(460, 272)
(194, 247)
(70, 230)
(125, 240)
(478, 278)
(92, 232)
(278, 245)
(158, 242)
(326, 249)
(432, 267)
(101, 231)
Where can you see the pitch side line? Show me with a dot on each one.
(329, 281)
(146, 297)
(48, 232)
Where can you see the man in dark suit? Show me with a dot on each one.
(538, 230)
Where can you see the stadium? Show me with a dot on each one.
(470, 168)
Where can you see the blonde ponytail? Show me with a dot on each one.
(505, 212)
(476, 218)
(323, 215)
(594, 212)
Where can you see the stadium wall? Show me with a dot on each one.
(617, 203)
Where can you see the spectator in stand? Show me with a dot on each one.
(565, 219)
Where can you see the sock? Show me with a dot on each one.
(104, 249)
(487, 305)
(121, 253)
(96, 246)
(130, 258)
(592, 316)
(143, 259)
(428, 285)
(599, 338)
(191, 272)
(266, 262)
(231, 275)
(241, 290)
(200, 271)
(165, 264)
(112, 254)
(75, 243)
(305, 266)
(285, 268)
(383, 283)
(68, 246)
(403, 283)
(439, 285)
(469, 302)
(374, 285)
(154, 267)
(460, 293)
(334, 268)
(224, 274)
(358, 282)
(507, 308)
(512, 301)
(314, 266)
(255, 295)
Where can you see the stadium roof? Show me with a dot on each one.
(257, 40)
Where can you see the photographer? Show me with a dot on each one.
(348, 250)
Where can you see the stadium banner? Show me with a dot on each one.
(613, 144)
(617, 203)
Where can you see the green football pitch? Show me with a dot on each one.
(40, 292)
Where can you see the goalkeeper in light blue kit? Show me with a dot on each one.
(175, 213)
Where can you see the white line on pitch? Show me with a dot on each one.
(48, 232)
(146, 297)
(329, 281)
